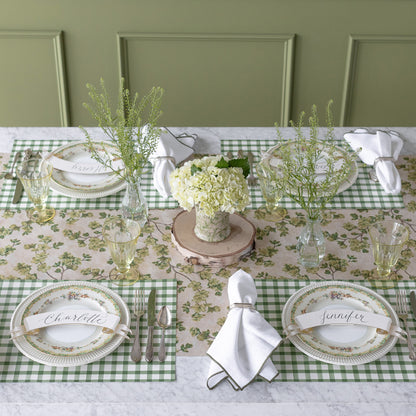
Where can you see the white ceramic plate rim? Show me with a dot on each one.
(41, 357)
(336, 359)
(348, 181)
(108, 189)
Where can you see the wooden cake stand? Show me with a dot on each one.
(237, 245)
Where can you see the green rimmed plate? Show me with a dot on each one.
(79, 185)
(69, 345)
(340, 344)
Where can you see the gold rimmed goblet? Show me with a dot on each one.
(35, 175)
(121, 236)
(272, 211)
(388, 238)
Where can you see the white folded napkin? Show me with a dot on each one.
(381, 150)
(243, 346)
(170, 152)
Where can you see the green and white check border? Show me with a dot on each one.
(116, 366)
(364, 194)
(293, 365)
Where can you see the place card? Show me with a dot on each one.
(342, 317)
(85, 168)
(33, 323)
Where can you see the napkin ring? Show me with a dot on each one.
(171, 158)
(383, 159)
(242, 305)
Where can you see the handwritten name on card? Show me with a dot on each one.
(342, 317)
(84, 317)
(92, 168)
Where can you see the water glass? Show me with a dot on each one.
(35, 175)
(121, 236)
(388, 238)
(271, 194)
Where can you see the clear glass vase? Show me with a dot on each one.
(212, 229)
(311, 244)
(134, 205)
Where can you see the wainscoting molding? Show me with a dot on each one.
(285, 73)
(350, 102)
(59, 85)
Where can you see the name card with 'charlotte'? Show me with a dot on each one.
(84, 317)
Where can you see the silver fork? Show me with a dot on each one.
(251, 179)
(139, 310)
(402, 313)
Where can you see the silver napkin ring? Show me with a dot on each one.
(383, 159)
(171, 158)
(372, 173)
(242, 305)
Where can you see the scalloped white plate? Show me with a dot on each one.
(78, 185)
(340, 344)
(69, 345)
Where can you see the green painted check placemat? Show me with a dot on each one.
(116, 366)
(364, 194)
(293, 365)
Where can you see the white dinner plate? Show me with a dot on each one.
(79, 185)
(340, 344)
(75, 344)
(339, 156)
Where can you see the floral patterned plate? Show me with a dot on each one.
(340, 344)
(69, 345)
(78, 185)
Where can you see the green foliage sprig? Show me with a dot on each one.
(296, 173)
(132, 130)
(224, 164)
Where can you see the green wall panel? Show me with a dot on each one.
(213, 80)
(33, 90)
(213, 57)
(380, 81)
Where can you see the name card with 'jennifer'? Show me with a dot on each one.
(342, 317)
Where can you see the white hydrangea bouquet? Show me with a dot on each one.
(216, 187)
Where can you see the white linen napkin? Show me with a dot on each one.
(243, 346)
(375, 146)
(170, 152)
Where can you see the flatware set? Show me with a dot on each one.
(163, 320)
(403, 314)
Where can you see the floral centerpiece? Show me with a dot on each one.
(133, 135)
(216, 187)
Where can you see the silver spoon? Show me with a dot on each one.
(164, 320)
(10, 175)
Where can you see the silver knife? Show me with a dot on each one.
(19, 186)
(151, 317)
(413, 302)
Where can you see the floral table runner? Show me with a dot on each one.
(116, 366)
(71, 248)
(363, 194)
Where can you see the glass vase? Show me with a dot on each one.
(212, 229)
(311, 244)
(134, 205)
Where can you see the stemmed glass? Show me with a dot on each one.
(388, 238)
(121, 236)
(271, 194)
(35, 175)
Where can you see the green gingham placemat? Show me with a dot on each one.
(293, 365)
(116, 366)
(364, 194)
